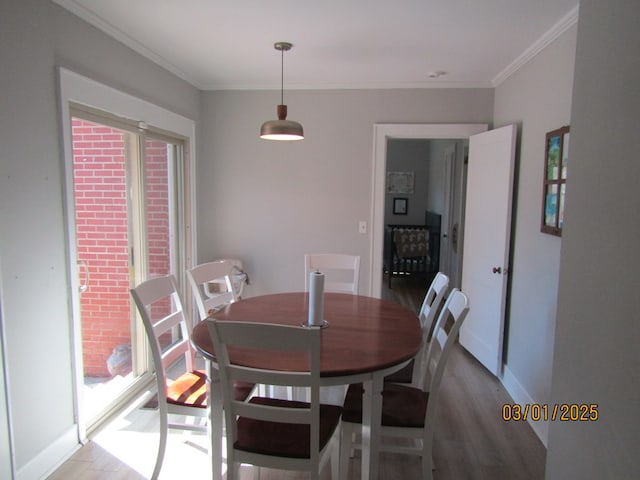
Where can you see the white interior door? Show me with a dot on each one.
(486, 243)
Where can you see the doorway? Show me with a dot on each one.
(383, 133)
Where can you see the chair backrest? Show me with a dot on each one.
(430, 307)
(276, 340)
(212, 286)
(341, 271)
(433, 300)
(444, 336)
(165, 323)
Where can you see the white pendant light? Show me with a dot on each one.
(282, 129)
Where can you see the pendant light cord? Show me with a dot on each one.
(282, 77)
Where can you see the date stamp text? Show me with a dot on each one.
(563, 412)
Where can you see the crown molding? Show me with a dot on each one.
(351, 86)
(552, 34)
(122, 37)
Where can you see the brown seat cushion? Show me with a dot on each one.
(284, 439)
(190, 389)
(242, 390)
(402, 406)
(404, 375)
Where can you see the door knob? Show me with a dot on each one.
(497, 270)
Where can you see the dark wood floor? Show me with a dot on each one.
(471, 440)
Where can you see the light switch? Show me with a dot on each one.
(362, 226)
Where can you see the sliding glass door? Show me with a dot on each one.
(128, 211)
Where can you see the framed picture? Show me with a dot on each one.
(400, 206)
(556, 159)
(400, 182)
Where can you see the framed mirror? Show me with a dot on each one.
(554, 182)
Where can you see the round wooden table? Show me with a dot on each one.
(366, 339)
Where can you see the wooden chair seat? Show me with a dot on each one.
(402, 406)
(190, 390)
(284, 439)
(242, 390)
(404, 375)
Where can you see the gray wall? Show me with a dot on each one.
(596, 356)
(269, 203)
(538, 99)
(35, 37)
(409, 156)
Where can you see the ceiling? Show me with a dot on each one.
(228, 44)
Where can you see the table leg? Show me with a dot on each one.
(371, 421)
(216, 421)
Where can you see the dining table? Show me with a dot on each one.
(363, 339)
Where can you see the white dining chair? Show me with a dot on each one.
(160, 308)
(181, 390)
(270, 432)
(409, 412)
(414, 372)
(341, 271)
(211, 286)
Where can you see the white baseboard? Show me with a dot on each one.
(51, 457)
(522, 397)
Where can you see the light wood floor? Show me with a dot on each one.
(471, 440)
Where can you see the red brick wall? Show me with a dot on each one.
(157, 207)
(102, 236)
(157, 220)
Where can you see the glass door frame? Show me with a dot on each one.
(77, 90)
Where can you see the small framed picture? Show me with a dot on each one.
(400, 206)
(400, 182)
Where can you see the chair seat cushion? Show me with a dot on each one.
(284, 439)
(242, 390)
(190, 389)
(402, 406)
(404, 375)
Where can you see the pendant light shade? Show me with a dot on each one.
(282, 129)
